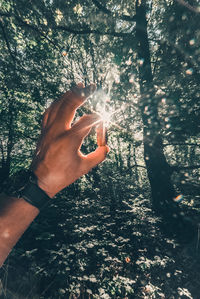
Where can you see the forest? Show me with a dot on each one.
(130, 228)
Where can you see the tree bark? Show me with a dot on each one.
(158, 170)
(6, 160)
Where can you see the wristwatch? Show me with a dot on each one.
(33, 194)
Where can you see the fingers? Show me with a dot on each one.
(101, 134)
(83, 126)
(83, 92)
(69, 102)
(94, 158)
(86, 121)
(45, 119)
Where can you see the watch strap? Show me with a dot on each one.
(33, 194)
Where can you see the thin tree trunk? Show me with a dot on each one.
(6, 160)
(136, 168)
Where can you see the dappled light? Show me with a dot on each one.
(130, 228)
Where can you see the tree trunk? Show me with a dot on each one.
(6, 160)
(158, 170)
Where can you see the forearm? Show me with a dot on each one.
(15, 217)
(57, 164)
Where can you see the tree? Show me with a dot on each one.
(143, 57)
(51, 22)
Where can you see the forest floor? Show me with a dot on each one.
(97, 253)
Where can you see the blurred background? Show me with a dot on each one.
(130, 228)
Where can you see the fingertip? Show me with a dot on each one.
(82, 91)
(102, 134)
(80, 85)
(89, 90)
(92, 87)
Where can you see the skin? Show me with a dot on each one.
(57, 163)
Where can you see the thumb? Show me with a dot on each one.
(96, 157)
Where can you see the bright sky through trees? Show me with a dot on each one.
(120, 231)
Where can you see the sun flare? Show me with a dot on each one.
(105, 117)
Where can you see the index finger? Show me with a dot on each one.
(71, 101)
(81, 93)
(64, 110)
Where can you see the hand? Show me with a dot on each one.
(58, 161)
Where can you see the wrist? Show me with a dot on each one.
(45, 181)
(46, 188)
(33, 194)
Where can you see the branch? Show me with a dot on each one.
(82, 31)
(187, 5)
(7, 42)
(179, 168)
(91, 31)
(181, 144)
(35, 28)
(2, 152)
(110, 13)
(182, 54)
(133, 166)
(23, 23)
(4, 14)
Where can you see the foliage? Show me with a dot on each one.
(101, 238)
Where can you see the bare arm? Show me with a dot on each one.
(15, 217)
(58, 163)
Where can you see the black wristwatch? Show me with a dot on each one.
(33, 194)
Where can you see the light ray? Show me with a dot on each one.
(99, 100)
